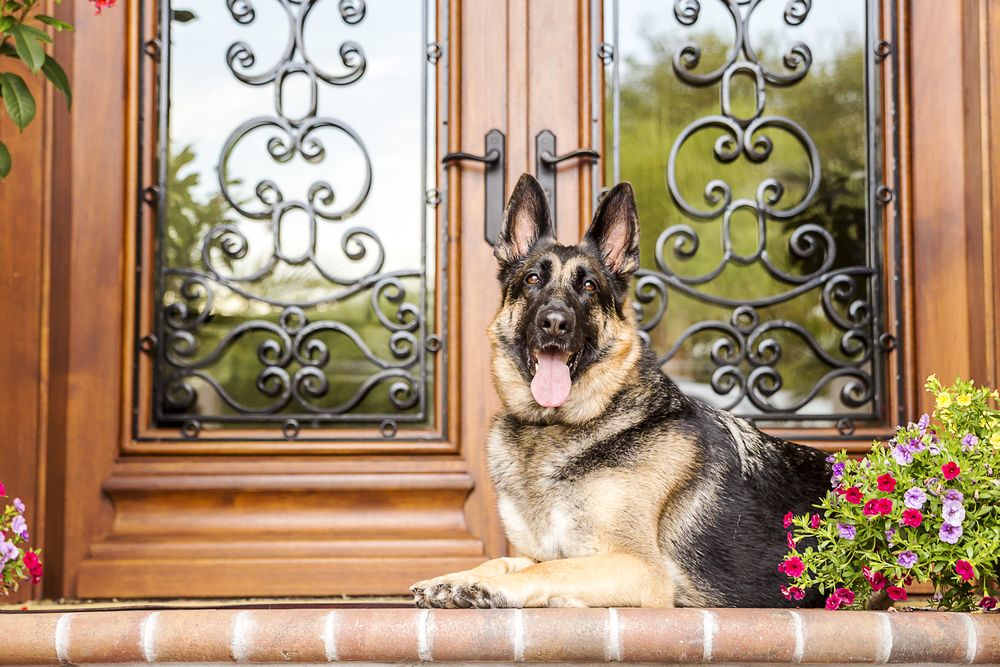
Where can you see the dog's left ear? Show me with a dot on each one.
(615, 230)
(526, 221)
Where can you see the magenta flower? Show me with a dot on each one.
(912, 518)
(963, 568)
(915, 498)
(907, 559)
(846, 595)
(871, 508)
(793, 567)
(950, 470)
(814, 521)
(886, 483)
(896, 593)
(790, 541)
(949, 533)
(787, 520)
(988, 603)
(792, 592)
(3, 490)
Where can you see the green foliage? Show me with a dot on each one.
(941, 478)
(22, 41)
(829, 104)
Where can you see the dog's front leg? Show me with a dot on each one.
(454, 590)
(609, 579)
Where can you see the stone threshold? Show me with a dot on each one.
(393, 635)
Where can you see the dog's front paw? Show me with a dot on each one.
(459, 595)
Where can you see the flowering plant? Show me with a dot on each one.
(23, 36)
(17, 562)
(918, 508)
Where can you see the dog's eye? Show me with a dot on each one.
(532, 279)
(589, 286)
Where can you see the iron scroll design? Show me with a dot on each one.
(750, 343)
(301, 334)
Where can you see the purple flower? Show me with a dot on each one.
(7, 552)
(930, 483)
(847, 531)
(838, 472)
(949, 533)
(19, 526)
(831, 458)
(915, 498)
(907, 559)
(953, 496)
(890, 535)
(902, 455)
(970, 441)
(953, 513)
(925, 421)
(916, 445)
(18, 505)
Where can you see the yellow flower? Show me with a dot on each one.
(964, 400)
(943, 399)
(995, 439)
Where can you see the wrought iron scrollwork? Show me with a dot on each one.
(297, 339)
(746, 349)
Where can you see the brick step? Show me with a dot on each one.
(529, 635)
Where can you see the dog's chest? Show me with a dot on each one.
(546, 530)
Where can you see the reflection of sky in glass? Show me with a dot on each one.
(383, 107)
(656, 106)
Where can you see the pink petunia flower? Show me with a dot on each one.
(793, 567)
(786, 521)
(884, 506)
(988, 603)
(871, 508)
(853, 495)
(896, 593)
(964, 569)
(790, 540)
(792, 592)
(886, 483)
(102, 4)
(875, 579)
(950, 470)
(846, 595)
(814, 521)
(912, 518)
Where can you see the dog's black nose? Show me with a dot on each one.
(556, 321)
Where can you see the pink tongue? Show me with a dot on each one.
(551, 383)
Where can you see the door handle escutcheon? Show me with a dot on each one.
(546, 160)
(495, 158)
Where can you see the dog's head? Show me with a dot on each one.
(564, 336)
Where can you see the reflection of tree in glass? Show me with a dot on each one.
(190, 217)
(829, 103)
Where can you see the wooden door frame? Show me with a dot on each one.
(62, 396)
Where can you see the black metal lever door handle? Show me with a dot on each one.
(546, 160)
(495, 158)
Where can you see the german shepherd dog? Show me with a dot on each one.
(614, 487)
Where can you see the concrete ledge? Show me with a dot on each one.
(529, 635)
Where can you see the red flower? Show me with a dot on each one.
(912, 518)
(3, 490)
(792, 592)
(846, 595)
(787, 520)
(950, 470)
(887, 483)
(833, 602)
(102, 4)
(884, 506)
(871, 508)
(34, 566)
(988, 603)
(853, 495)
(793, 567)
(963, 568)
(896, 593)
(791, 542)
(876, 579)
(814, 521)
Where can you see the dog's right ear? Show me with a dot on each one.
(526, 220)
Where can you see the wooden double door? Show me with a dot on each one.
(255, 258)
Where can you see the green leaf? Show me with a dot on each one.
(6, 22)
(28, 48)
(40, 34)
(55, 23)
(17, 98)
(4, 160)
(55, 73)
